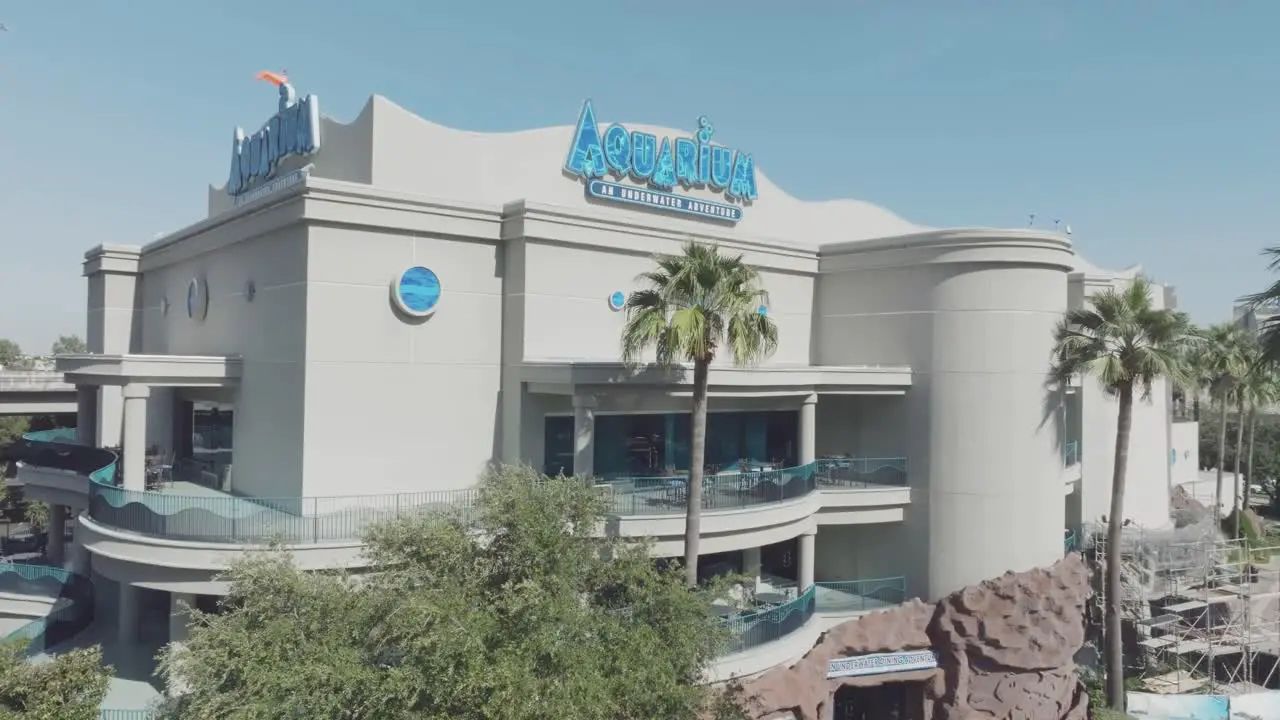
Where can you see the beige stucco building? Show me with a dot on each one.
(394, 304)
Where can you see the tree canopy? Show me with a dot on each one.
(71, 686)
(513, 609)
(68, 345)
(11, 356)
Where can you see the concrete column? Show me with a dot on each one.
(56, 549)
(751, 564)
(806, 559)
(87, 415)
(135, 436)
(178, 605)
(127, 623)
(79, 559)
(584, 434)
(808, 429)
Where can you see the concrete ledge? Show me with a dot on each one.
(17, 605)
(191, 567)
(51, 485)
(785, 652)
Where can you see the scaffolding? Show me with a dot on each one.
(1201, 614)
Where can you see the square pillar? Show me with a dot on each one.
(87, 415)
(584, 434)
(806, 559)
(179, 604)
(56, 549)
(751, 564)
(127, 623)
(135, 436)
(78, 562)
(808, 429)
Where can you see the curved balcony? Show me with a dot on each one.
(203, 515)
(741, 489)
(70, 611)
(765, 626)
(59, 449)
(244, 520)
(841, 597)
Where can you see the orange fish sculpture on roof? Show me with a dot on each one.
(293, 131)
(275, 78)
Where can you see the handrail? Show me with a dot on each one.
(1071, 453)
(861, 595)
(230, 518)
(862, 472)
(663, 494)
(764, 626)
(301, 520)
(61, 623)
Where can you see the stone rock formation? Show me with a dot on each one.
(1005, 651)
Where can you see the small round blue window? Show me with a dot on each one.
(762, 310)
(617, 300)
(417, 291)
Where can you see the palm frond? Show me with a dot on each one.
(1122, 339)
(695, 303)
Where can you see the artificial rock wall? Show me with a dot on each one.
(1005, 652)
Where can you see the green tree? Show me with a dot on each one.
(1261, 390)
(514, 609)
(69, 687)
(1222, 360)
(68, 345)
(1269, 332)
(696, 303)
(11, 357)
(1128, 345)
(13, 427)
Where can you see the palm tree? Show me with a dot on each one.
(1269, 332)
(1128, 345)
(1252, 361)
(1224, 360)
(1261, 389)
(695, 303)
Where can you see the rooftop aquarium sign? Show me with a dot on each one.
(662, 165)
(293, 131)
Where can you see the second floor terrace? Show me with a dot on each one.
(179, 502)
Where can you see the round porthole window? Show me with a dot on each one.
(250, 290)
(197, 299)
(617, 300)
(416, 291)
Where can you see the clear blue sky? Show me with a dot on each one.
(1151, 127)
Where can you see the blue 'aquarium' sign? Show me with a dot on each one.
(293, 131)
(662, 165)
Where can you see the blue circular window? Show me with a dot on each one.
(617, 300)
(416, 291)
(762, 310)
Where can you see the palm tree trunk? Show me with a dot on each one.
(1248, 473)
(1236, 509)
(1115, 643)
(1222, 460)
(697, 458)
